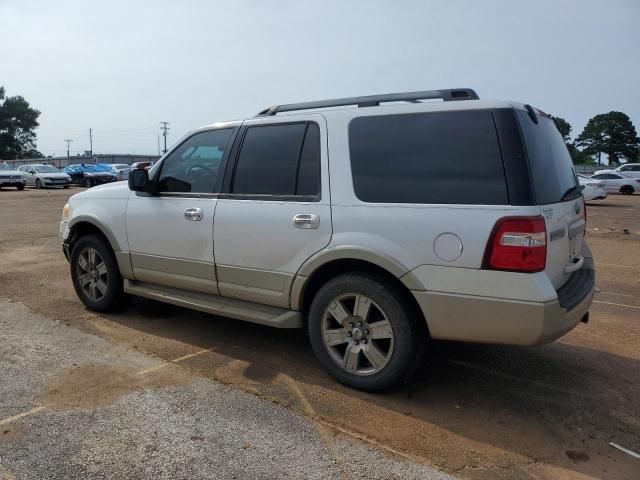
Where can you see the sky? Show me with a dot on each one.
(121, 67)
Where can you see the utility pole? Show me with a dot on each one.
(158, 144)
(68, 143)
(165, 129)
(91, 144)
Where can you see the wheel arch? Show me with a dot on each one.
(86, 225)
(319, 270)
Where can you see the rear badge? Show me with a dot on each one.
(548, 213)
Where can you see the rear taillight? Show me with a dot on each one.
(517, 244)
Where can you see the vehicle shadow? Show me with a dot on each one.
(559, 404)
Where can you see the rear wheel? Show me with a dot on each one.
(627, 190)
(364, 332)
(95, 274)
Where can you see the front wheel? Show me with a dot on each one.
(364, 332)
(627, 190)
(20, 187)
(95, 275)
(88, 183)
(38, 183)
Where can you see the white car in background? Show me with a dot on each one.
(616, 182)
(10, 177)
(593, 189)
(628, 169)
(42, 176)
(121, 170)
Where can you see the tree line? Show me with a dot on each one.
(18, 122)
(612, 134)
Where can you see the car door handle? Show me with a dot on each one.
(306, 220)
(193, 214)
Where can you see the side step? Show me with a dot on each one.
(226, 307)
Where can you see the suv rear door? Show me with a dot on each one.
(554, 182)
(274, 212)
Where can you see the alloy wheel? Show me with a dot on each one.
(357, 334)
(92, 274)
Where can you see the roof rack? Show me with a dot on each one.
(447, 95)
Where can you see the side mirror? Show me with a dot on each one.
(138, 180)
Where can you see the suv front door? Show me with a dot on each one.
(171, 231)
(274, 212)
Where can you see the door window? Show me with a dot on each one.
(193, 166)
(281, 160)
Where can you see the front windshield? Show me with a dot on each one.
(4, 166)
(46, 169)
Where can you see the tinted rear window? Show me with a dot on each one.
(438, 157)
(551, 166)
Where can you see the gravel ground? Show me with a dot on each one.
(93, 415)
(476, 411)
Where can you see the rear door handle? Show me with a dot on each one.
(576, 264)
(306, 220)
(193, 214)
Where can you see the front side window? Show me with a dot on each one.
(193, 166)
(279, 159)
(428, 158)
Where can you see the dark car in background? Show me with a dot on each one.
(90, 174)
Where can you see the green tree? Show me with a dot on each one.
(564, 128)
(18, 122)
(610, 133)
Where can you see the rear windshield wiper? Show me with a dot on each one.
(572, 192)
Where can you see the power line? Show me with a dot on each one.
(165, 129)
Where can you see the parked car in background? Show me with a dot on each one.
(120, 170)
(373, 226)
(616, 182)
(41, 176)
(138, 165)
(10, 177)
(90, 174)
(628, 169)
(593, 189)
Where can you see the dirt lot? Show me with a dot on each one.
(476, 411)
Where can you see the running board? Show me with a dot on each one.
(217, 305)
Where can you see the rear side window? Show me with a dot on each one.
(551, 167)
(438, 157)
(279, 160)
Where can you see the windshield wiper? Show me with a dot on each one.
(572, 192)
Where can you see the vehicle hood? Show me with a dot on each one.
(11, 172)
(108, 190)
(53, 175)
(99, 174)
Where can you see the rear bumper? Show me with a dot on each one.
(491, 319)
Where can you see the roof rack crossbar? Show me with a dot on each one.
(447, 95)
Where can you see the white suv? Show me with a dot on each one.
(375, 222)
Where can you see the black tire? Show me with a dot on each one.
(20, 187)
(114, 296)
(88, 183)
(65, 186)
(627, 190)
(38, 183)
(408, 338)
